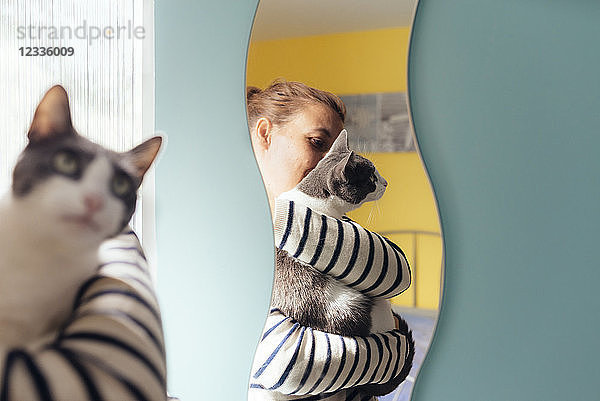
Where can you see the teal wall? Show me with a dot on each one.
(505, 102)
(212, 214)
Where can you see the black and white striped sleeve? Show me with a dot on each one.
(359, 258)
(111, 348)
(320, 363)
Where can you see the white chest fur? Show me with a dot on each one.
(382, 318)
(37, 287)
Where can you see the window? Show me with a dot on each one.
(109, 78)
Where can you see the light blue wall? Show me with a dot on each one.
(506, 103)
(214, 286)
(505, 96)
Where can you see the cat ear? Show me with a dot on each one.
(344, 167)
(340, 144)
(52, 116)
(349, 165)
(144, 154)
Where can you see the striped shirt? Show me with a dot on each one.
(293, 362)
(111, 348)
(358, 258)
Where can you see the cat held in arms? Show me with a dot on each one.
(341, 182)
(68, 195)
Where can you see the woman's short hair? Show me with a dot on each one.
(281, 100)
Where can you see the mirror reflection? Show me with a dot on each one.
(315, 69)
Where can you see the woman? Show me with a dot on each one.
(292, 126)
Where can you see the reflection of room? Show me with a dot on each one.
(365, 68)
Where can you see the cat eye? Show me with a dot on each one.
(121, 185)
(66, 162)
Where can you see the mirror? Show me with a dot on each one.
(358, 51)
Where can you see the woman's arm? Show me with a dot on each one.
(315, 362)
(112, 347)
(343, 249)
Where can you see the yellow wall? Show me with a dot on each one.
(344, 63)
(368, 62)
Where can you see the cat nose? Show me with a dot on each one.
(93, 202)
(383, 181)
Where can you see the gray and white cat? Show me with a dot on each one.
(341, 182)
(68, 195)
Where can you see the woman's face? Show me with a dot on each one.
(296, 147)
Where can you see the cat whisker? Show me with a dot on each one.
(379, 209)
(370, 216)
(375, 211)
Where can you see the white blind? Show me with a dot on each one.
(109, 77)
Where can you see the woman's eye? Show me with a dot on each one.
(66, 163)
(317, 143)
(121, 185)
